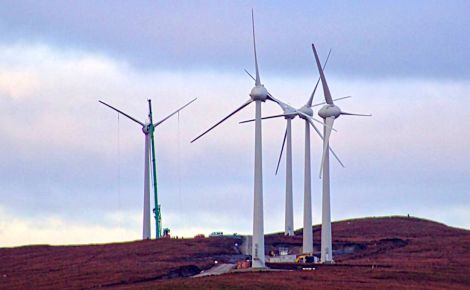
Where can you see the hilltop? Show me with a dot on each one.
(392, 252)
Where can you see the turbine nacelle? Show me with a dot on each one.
(305, 110)
(146, 128)
(259, 93)
(329, 110)
(290, 115)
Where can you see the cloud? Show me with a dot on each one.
(379, 39)
(68, 160)
(15, 231)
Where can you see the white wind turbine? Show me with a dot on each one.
(258, 94)
(148, 129)
(305, 113)
(329, 113)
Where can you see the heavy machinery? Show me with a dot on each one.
(306, 258)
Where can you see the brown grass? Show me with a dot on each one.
(391, 252)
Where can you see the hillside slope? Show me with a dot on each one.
(392, 252)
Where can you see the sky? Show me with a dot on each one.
(71, 170)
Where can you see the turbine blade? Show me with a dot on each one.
(169, 116)
(326, 90)
(353, 114)
(321, 137)
(248, 121)
(313, 119)
(257, 80)
(329, 125)
(334, 100)
(272, 98)
(336, 157)
(251, 76)
(121, 112)
(283, 105)
(288, 109)
(319, 122)
(218, 123)
(309, 103)
(264, 118)
(282, 150)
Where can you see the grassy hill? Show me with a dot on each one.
(391, 252)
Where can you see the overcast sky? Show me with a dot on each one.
(71, 170)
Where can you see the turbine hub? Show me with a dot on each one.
(290, 115)
(329, 111)
(289, 112)
(259, 93)
(146, 128)
(307, 111)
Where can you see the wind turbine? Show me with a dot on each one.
(305, 113)
(258, 94)
(329, 113)
(148, 129)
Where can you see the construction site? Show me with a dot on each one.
(234, 145)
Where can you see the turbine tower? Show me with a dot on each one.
(258, 94)
(329, 113)
(306, 113)
(148, 129)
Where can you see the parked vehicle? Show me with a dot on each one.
(216, 234)
(306, 258)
